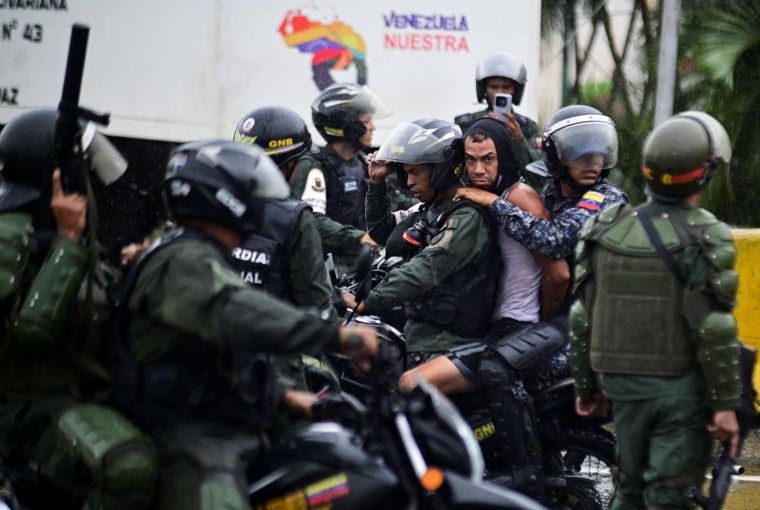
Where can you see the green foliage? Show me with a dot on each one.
(718, 72)
(720, 58)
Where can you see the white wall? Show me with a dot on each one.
(181, 70)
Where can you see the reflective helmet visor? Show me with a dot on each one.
(107, 161)
(353, 103)
(411, 143)
(579, 136)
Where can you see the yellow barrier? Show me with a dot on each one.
(747, 310)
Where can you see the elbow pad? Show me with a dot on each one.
(720, 251)
(50, 302)
(15, 239)
(718, 354)
(122, 461)
(580, 355)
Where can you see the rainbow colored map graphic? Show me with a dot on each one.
(334, 47)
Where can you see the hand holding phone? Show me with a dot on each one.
(502, 102)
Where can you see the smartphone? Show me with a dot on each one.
(502, 102)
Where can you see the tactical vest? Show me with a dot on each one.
(639, 324)
(193, 380)
(463, 302)
(263, 258)
(347, 183)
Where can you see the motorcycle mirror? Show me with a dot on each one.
(364, 272)
(363, 276)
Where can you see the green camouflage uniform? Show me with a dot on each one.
(664, 352)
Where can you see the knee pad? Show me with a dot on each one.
(121, 460)
(671, 492)
(493, 373)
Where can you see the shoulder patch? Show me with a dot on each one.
(314, 192)
(317, 184)
(591, 200)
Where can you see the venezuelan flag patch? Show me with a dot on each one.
(592, 201)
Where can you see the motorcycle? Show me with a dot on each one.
(402, 451)
(578, 453)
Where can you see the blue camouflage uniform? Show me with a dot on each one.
(555, 238)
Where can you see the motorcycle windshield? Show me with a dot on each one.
(449, 415)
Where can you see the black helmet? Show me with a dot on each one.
(681, 154)
(281, 132)
(336, 111)
(27, 155)
(502, 64)
(426, 141)
(222, 181)
(572, 132)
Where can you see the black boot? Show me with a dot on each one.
(511, 408)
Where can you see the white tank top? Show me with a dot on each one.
(519, 282)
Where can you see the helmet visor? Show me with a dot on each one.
(107, 162)
(376, 106)
(353, 103)
(411, 143)
(585, 135)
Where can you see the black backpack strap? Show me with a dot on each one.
(663, 252)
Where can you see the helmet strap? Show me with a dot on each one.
(575, 187)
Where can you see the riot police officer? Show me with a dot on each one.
(192, 361)
(656, 288)
(580, 146)
(503, 72)
(448, 283)
(59, 442)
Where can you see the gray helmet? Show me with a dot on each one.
(502, 64)
(681, 154)
(27, 156)
(223, 182)
(281, 132)
(426, 141)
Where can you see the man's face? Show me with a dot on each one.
(586, 169)
(366, 138)
(482, 162)
(418, 180)
(499, 85)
